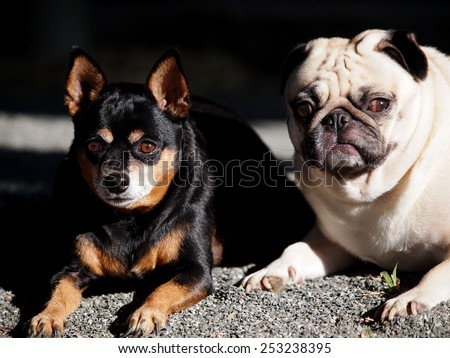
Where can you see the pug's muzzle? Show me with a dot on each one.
(344, 145)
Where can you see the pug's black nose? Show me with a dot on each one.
(116, 183)
(337, 119)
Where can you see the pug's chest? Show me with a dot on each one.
(383, 238)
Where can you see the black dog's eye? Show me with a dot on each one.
(147, 147)
(303, 109)
(95, 146)
(378, 105)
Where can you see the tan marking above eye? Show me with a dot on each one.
(106, 135)
(135, 136)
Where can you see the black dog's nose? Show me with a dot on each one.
(116, 183)
(336, 118)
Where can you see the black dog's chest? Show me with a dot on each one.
(124, 240)
(120, 249)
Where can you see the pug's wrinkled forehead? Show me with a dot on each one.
(327, 68)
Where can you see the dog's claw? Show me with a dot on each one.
(414, 308)
(265, 282)
(56, 333)
(157, 329)
(39, 332)
(406, 304)
(137, 333)
(127, 333)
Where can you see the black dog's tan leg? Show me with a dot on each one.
(166, 299)
(65, 298)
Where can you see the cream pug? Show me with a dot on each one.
(370, 123)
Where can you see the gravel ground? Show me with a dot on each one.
(337, 306)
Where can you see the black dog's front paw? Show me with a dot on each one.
(145, 321)
(45, 325)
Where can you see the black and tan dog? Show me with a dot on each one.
(136, 194)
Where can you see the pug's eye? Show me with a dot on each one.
(378, 105)
(303, 109)
(147, 147)
(95, 146)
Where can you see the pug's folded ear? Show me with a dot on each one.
(403, 48)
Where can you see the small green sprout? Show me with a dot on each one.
(366, 333)
(391, 280)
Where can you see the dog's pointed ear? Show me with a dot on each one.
(403, 48)
(84, 81)
(169, 85)
(294, 58)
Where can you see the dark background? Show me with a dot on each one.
(231, 50)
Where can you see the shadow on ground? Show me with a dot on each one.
(29, 252)
(261, 221)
